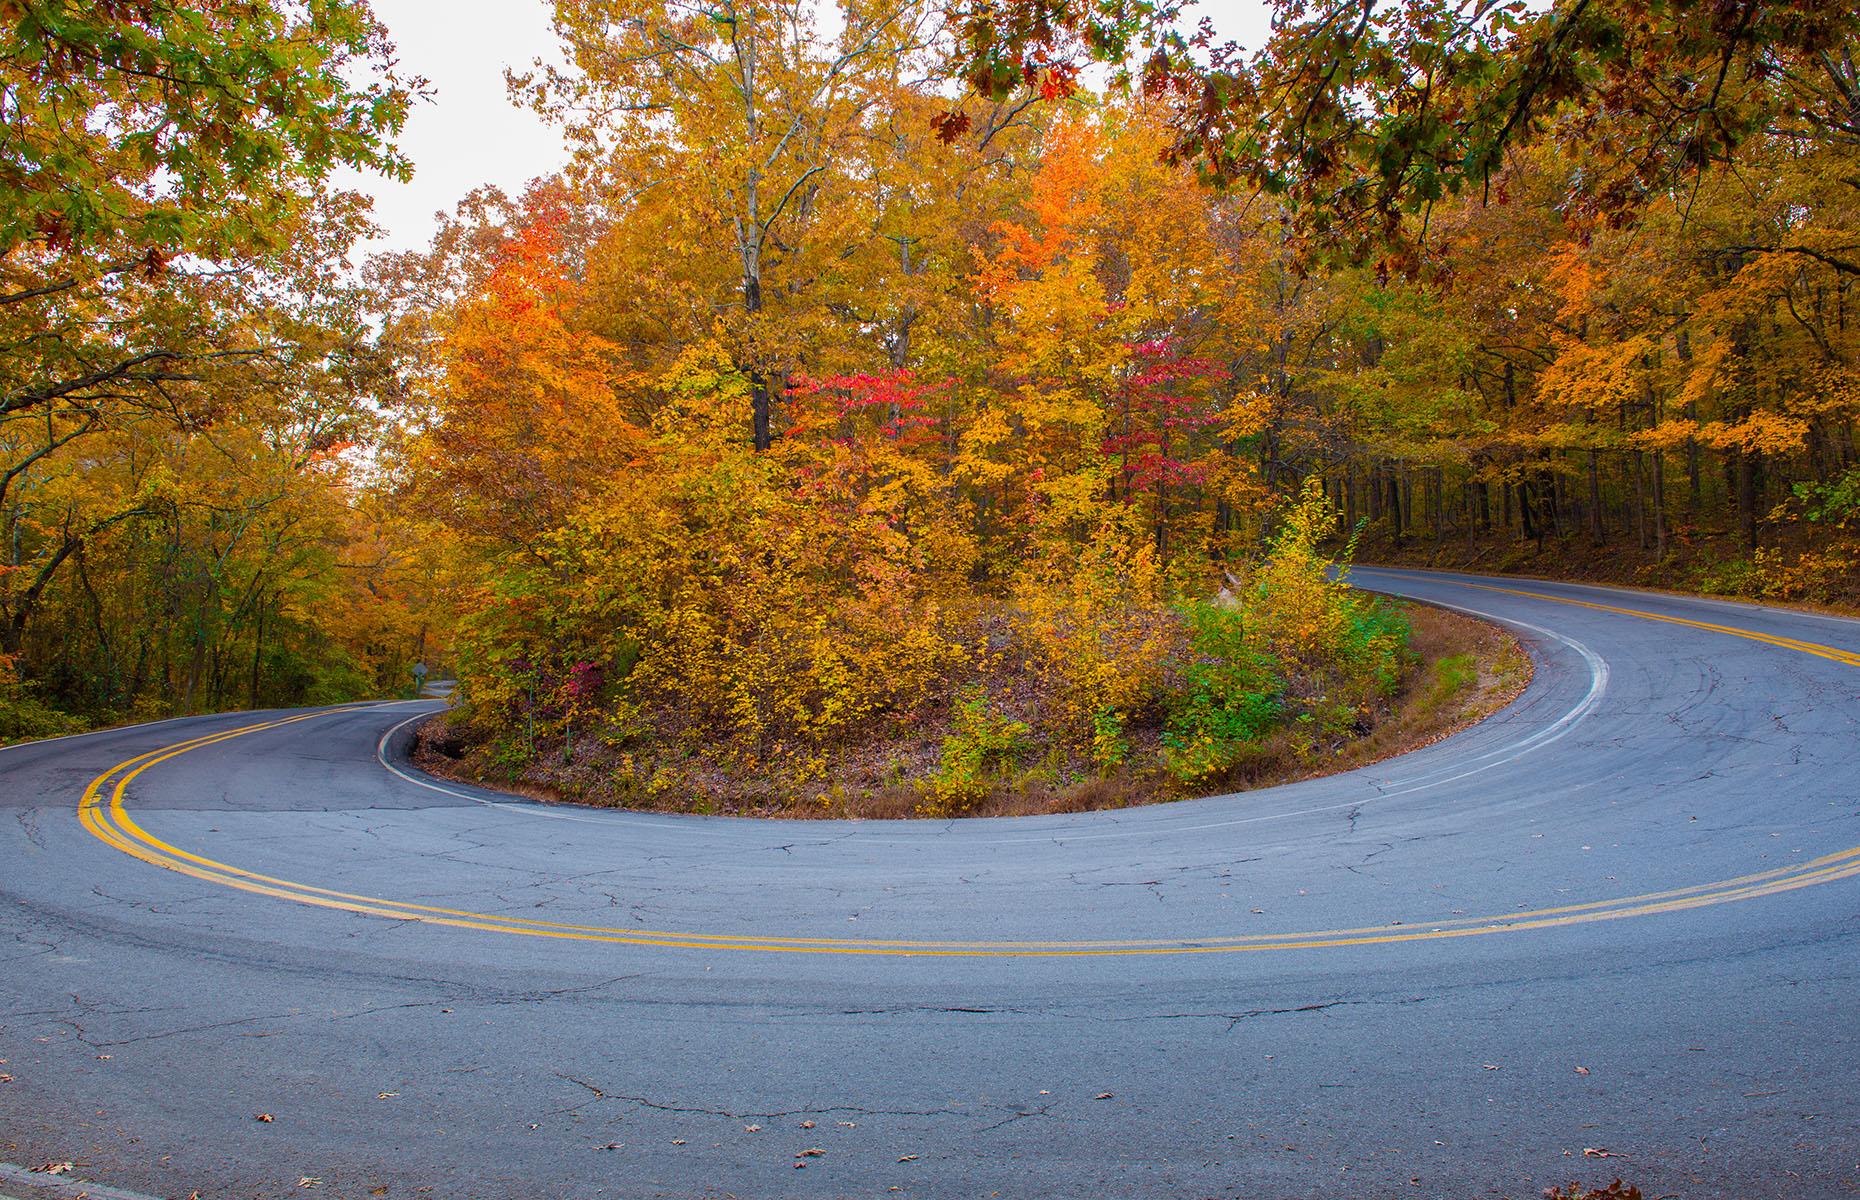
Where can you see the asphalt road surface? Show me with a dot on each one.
(1621, 918)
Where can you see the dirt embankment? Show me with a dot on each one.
(1462, 671)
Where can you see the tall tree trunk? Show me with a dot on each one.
(1747, 498)
(1596, 531)
(1659, 504)
(258, 647)
(1640, 498)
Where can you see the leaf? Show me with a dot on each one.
(1598, 1152)
(950, 126)
(1582, 1070)
(907, 1158)
(265, 1117)
(752, 1129)
(812, 1152)
(309, 1181)
(1104, 1096)
(54, 1168)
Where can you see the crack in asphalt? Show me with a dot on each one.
(600, 1093)
(1234, 1019)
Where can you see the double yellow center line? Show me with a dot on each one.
(1833, 653)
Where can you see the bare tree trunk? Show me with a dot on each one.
(1596, 530)
(1659, 504)
(258, 647)
(1747, 498)
(1640, 498)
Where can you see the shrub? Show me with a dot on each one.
(1296, 647)
(1228, 697)
(1099, 639)
(23, 716)
(981, 751)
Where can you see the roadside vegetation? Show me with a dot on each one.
(187, 380)
(1118, 685)
(872, 380)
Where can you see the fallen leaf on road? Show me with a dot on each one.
(907, 1158)
(678, 1141)
(848, 1124)
(1582, 1070)
(811, 1152)
(103, 1058)
(752, 1129)
(309, 1181)
(265, 1117)
(1598, 1152)
(386, 1095)
(807, 1124)
(380, 1191)
(54, 1168)
(5, 1078)
(1104, 1096)
(612, 1146)
(1493, 1067)
(799, 1165)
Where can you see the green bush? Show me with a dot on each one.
(1294, 648)
(1230, 694)
(981, 751)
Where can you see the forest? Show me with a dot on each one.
(932, 394)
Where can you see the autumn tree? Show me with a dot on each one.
(181, 363)
(743, 116)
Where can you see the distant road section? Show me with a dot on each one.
(1612, 930)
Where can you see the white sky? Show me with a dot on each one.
(470, 134)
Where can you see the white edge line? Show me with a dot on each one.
(1498, 756)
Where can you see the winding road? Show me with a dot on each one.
(1612, 930)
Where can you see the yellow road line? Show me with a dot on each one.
(109, 821)
(1849, 657)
